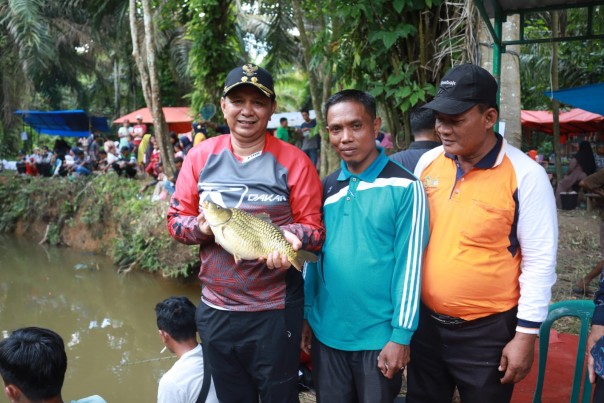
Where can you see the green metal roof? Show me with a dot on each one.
(519, 6)
(500, 9)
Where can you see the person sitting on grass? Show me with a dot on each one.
(167, 186)
(593, 183)
(580, 166)
(126, 163)
(155, 177)
(33, 364)
(81, 164)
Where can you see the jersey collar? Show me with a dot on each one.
(371, 173)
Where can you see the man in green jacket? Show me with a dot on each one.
(362, 297)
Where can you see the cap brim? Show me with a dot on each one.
(448, 106)
(259, 88)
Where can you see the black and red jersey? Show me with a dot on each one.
(279, 181)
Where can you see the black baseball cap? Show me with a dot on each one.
(463, 87)
(250, 74)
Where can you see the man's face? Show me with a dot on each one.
(466, 134)
(139, 121)
(352, 133)
(305, 116)
(126, 123)
(247, 112)
(284, 123)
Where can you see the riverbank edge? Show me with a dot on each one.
(104, 214)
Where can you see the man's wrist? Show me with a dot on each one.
(525, 336)
(527, 330)
(527, 326)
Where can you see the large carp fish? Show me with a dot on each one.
(248, 237)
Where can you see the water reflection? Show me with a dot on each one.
(106, 320)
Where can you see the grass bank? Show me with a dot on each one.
(103, 214)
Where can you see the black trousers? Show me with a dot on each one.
(598, 393)
(351, 376)
(252, 354)
(466, 356)
(129, 170)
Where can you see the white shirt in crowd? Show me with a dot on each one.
(182, 383)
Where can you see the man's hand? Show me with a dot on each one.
(204, 227)
(306, 339)
(597, 332)
(517, 357)
(393, 358)
(276, 260)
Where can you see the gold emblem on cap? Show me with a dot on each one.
(250, 69)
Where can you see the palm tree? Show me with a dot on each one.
(25, 46)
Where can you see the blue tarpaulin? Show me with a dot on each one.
(588, 97)
(73, 123)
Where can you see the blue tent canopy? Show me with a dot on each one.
(73, 123)
(588, 97)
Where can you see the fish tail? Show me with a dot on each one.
(303, 256)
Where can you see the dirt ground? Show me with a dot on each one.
(578, 253)
(578, 250)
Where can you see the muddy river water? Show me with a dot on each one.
(106, 320)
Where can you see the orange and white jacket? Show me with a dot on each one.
(493, 236)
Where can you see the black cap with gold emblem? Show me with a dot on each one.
(250, 74)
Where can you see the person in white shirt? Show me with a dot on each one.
(184, 382)
(124, 133)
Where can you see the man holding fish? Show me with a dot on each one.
(251, 308)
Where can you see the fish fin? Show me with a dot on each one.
(267, 218)
(263, 217)
(303, 256)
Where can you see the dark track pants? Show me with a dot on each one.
(252, 354)
(351, 376)
(598, 393)
(467, 357)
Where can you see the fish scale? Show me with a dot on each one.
(248, 237)
(247, 225)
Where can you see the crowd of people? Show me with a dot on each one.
(438, 261)
(135, 153)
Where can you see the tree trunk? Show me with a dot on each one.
(116, 86)
(320, 89)
(143, 52)
(555, 103)
(509, 105)
(509, 81)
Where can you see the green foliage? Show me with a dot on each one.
(282, 48)
(579, 62)
(105, 207)
(545, 148)
(384, 47)
(216, 47)
(54, 234)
